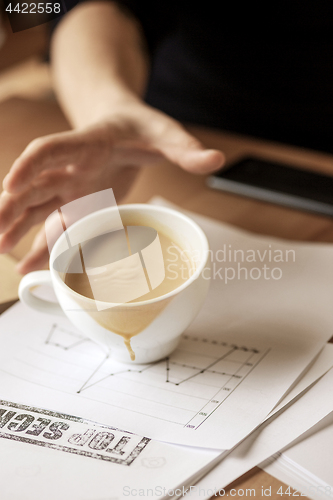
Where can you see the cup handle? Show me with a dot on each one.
(35, 279)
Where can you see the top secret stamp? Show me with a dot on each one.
(69, 434)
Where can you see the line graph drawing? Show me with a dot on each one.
(195, 380)
(63, 338)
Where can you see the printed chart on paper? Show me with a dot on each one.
(192, 383)
(207, 393)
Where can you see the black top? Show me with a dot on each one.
(263, 70)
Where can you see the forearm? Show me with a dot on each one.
(98, 61)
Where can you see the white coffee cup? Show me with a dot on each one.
(177, 309)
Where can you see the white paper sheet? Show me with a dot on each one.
(47, 455)
(272, 436)
(308, 465)
(298, 305)
(222, 390)
(254, 339)
(320, 365)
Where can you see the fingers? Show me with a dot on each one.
(196, 160)
(37, 257)
(182, 148)
(54, 151)
(150, 131)
(22, 225)
(42, 190)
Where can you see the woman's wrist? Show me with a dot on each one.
(111, 105)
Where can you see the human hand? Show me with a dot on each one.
(59, 168)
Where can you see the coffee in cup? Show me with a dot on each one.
(178, 268)
(151, 324)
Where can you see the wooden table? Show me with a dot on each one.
(21, 120)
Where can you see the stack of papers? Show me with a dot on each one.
(251, 375)
(307, 465)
